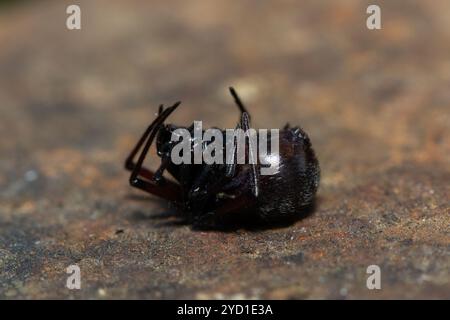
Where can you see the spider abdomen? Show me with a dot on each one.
(293, 187)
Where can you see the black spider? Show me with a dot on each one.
(209, 195)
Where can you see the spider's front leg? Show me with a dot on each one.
(167, 190)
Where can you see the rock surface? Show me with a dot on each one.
(375, 103)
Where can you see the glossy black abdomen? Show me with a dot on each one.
(292, 188)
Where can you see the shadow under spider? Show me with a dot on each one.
(249, 221)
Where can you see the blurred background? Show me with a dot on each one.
(374, 102)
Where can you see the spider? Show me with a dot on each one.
(208, 195)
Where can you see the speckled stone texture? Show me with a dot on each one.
(376, 105)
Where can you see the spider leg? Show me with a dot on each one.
(200, 191)
(158, 177)
(245, 124)
(230, 169)
(129, 164)
(168, 190)
(238, 100)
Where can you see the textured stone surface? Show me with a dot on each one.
(376, 105)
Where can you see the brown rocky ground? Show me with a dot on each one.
(375, 103)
